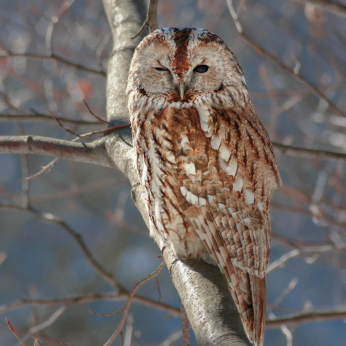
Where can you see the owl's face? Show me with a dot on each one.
(179, 65)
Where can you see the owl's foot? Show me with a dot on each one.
(162, 250)
(171, 266)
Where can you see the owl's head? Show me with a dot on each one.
(181, 65)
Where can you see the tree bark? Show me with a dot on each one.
(201, 287)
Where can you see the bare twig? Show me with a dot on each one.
(14, 332)
(128, 330)
(303, 250)
(127, 306)
(55, 57)
(91, 298)
(278, 62)
(94, 115)
(307, 317)
(54, 21)
(172, 338)
(40, 117)
(44, 169)
(49, 321)
(328, 6)
(151, 19)
(77, 238)
(308, 153)
(25, 173)
(108, 313)
(89, 134)
(185, 327)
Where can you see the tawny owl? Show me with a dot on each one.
(205, 160)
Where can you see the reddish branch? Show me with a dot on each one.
(129, 300)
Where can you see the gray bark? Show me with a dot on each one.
(201, 287)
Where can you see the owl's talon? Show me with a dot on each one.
(170, 268)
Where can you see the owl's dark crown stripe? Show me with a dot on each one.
(181, 38)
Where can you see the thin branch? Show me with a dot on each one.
(94, 115)
(89, 134)
(93, 152)
(54, 21)
(76, 237)
(278, 62)
(55, 57)
(327, 6)
(151, 19)
(44, 169)
(49, 321)
(307, 317)
(303, 250)
(127, 306)
(14, 332)
(25, 173)
(40, 117)
(75, 300)
(172, 338)
(185, 327)
(309, 153)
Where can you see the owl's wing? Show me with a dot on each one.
(234, 189)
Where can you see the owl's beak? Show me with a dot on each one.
(181, 90)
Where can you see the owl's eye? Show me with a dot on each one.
(201, 68)
(161, 69)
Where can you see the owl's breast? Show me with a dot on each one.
(187, 141)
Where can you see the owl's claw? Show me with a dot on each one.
(170, 268)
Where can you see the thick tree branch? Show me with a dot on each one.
(93, 152)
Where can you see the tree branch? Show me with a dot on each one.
(307, 317)
(39, 117)
(308, 153)
(93, 152)
(91, 298)
(55, 57)
(273, 58)
(327, 6)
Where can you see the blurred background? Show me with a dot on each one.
(53, 54)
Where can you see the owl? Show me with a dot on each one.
(204, 160)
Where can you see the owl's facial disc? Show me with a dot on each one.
(181, 65)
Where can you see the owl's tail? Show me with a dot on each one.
(249, 294)
(258, 291)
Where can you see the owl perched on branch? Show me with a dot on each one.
(205, 160)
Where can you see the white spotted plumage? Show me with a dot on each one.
(205, 161)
